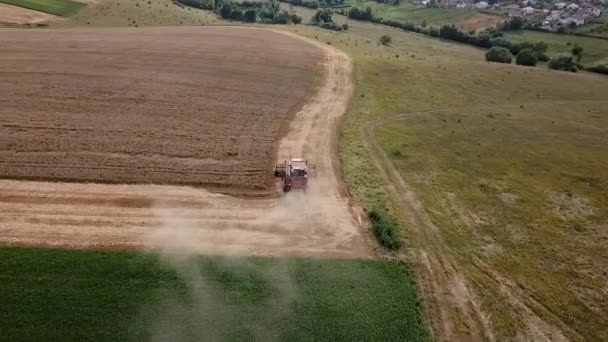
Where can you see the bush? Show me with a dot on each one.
(499, 55)
(311, 4)
(251, 16)
(562, 62)
(599, 68)
(355, 13)
(433, 32)
(526, 57)
(203, 4)
(541, 57)
(323, 16)
(385, 39)
(331, 26)
(345, 26)
(385, 229)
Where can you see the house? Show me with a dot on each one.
(580, 17)
(481, 5)
(596, 11)
(572, 6)
(527, 10)
(560, 5)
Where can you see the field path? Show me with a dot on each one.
(320, 222)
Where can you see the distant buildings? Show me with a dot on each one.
(551, 15)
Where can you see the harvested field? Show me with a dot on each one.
(320, 222)
(480, 21)
(200, 106)
(19, 15)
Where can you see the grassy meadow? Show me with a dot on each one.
(408, 12)
(595, 48)
(120, 13)
(74, 295)
(56, 7)
(509, 162)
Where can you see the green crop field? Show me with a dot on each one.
(595, 48)
(60, 295)
(56, 7)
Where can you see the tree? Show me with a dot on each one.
(499, 55)
(541, 56)
(251, 16)
(385, 39)
(577, 51)
(526, 57)
(226, 10)
(323, 16)
(516, 23)
(562, 62)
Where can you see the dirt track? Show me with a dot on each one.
(317, 223)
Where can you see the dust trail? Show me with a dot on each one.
(205, 310)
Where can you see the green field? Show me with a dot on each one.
(595, 48)
(60, 295)
(407, 12)
(56, 7)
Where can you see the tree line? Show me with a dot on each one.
(501, 50)
(267, 12)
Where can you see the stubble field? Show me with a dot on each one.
(171, 106)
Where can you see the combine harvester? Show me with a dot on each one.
(294, 174)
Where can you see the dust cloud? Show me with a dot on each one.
(204, 310)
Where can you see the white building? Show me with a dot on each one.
(572, 6)
(560, 5)
(481, 5)
(528, 10)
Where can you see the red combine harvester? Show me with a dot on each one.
(294, 174)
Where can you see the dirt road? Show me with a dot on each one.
(318, 223)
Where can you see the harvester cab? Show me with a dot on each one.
(294, 174)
